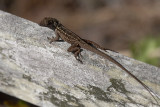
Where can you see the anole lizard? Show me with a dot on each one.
(77, 43)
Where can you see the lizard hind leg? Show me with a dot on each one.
(77, 55)
(76, 50)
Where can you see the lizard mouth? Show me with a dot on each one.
(42, 23)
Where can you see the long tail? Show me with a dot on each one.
(118, 64)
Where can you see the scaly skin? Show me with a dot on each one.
(78, 43)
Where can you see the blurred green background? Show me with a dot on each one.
(121, 25)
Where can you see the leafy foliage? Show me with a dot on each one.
(146, 50)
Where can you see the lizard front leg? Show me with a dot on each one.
(54, 38)
(74, 48)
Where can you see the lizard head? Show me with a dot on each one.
(52, 23)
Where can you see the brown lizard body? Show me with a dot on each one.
(77, 43)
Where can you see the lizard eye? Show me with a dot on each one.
(55, 23)
(50, 22)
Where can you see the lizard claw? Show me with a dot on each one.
(51, 39)
(78, 59)
(80, 55)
